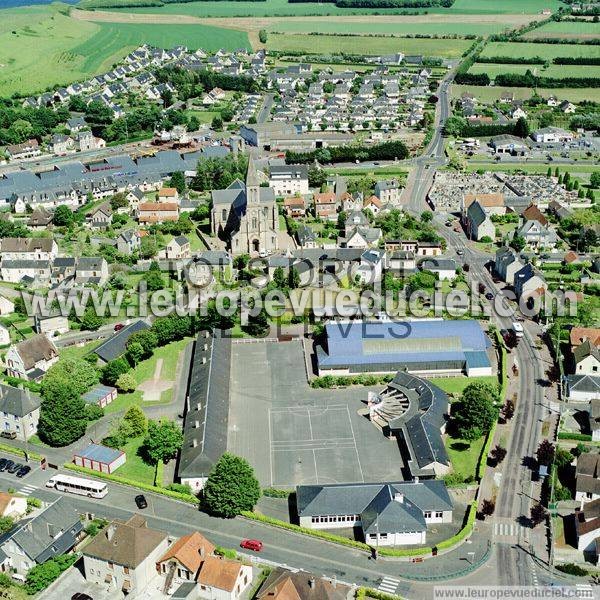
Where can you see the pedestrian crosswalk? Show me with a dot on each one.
(27, 490)
(389, 585)
(504, 529)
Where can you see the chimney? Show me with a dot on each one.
(194, 443)
(399, 497)
(110, 532)
(197, 424)
(202, 551)
(198, 406)
(416, 480)
(205, 347)
(204, 360)
(312, 583)
(334, 582)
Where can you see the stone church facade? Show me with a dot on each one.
(245, 216)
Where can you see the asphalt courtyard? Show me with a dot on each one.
(293, 434)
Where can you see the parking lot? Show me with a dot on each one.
(293, 434)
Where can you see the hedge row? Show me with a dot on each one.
(333, 381)
(485, 451)
(464, 532)
(133, 483)
(580, 437)
(271, 492)
(365, 593)
(19, 452)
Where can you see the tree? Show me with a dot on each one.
(62, 414)
(257, 326)
(113, 370)
(498, 454)
(119, 200)
(231, 487)
(426, 216)
(135, 353)
(148, 247)
(521, 128)
(262, 36)
(63, 216)
(154, 280)
(41, 576)
(178, 181)
(163, 441)
(90, 320)
(537, 514)
(74, 372)
(545, 453)
(518, 243)
(126, 383)
(217, 123)
(549, 172)
(595, 179)
(146, 338)
(509, 410)
(293, 278)
(487, 508)
(136, 419)
(476, 411)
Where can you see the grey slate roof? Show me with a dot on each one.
(114, 346)
(50, 533)
(16, 401)
(584, 383)
(207, 414)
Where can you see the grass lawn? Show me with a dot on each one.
(531, 7)
(204, 116)
(324, 44)
(456, 385)
(135, 467)
(464, 455)
(144, 371)
(77, 351)
(555, 71)
(545, 51)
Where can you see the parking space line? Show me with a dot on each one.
(362, 476)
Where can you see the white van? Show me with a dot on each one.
(518, 329)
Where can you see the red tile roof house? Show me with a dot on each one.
(326, 205)
(157, 212)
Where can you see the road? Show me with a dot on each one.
(265, 111)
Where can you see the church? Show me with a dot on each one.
(245, 215)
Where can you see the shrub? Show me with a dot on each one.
(275, 493)
(93, 412)
(181, 488)
(226, 552)
(582, 437)
(572, 569)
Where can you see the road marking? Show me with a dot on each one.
(26, 490)
(389, 585)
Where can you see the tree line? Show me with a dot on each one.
(385, 151)
(530, 80)
(18, 124)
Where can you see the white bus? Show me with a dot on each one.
(78, 485)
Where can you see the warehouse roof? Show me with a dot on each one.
(99, 453)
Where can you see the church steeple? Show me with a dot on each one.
(252, 183)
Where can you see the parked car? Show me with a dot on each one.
(14, 468)
(119, 326)
(459, 252)
(23, 471)
(3, 462)
(140, 501)
(81, 596)
(7, 465)
(481, 288)
(489, 296)
(9, 435)
(255, 545)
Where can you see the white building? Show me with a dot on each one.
(288, 180)
(31, 358)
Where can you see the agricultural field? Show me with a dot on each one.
(555, 71)
(544, 51)
(490, 94)
(566, 29)
(273, 8)
(324, 44)
(42, 46)
(431, 25)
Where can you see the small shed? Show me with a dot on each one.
(100, 458)
(101, 395)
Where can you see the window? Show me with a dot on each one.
(383, 536)
(439, 514)
(111, 565)
(427, 514)
(126, 570)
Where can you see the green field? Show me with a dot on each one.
(555, 71)
(464, 455)
(586, 29)
(274, 8)
(408, 28)
(545, 51)
(324, 44)
(52, 48)
(490, 94)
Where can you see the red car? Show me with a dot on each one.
(255, 545)
(119, 326)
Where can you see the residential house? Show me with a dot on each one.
(31, 358)
(388, 191)
(582, 388)
(294, 206)
(424, 248)
(61, 144)
(51, 325)
(537, 235)
(191, 559)
(168, 194)
(587, 530)
(19, 411)
(586, 358)
(7, 307)
(123, 555)
(387, 514)
(52, 532)
(594, 416)
(28, 149)
(479, 224)
(100, 217)
(587, 477)
(567, 107)
(492, 203)
(370, 268)
(128, 242)
(12, 506)
(282, 584)
(4, 336)
(374, 204)
(507, 264)
(28, 249)
(178, 248)
(533, 213)
(27, 272)
(445, 269)
(307, 238)
(528, 282)
(91, 270)
(40, 219)
(400, 261)
(86, 141)
(157, 212)
(326, 205)
(134, 197)
(288, 180)
(578, 335)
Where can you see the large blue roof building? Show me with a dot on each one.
(422, 347)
